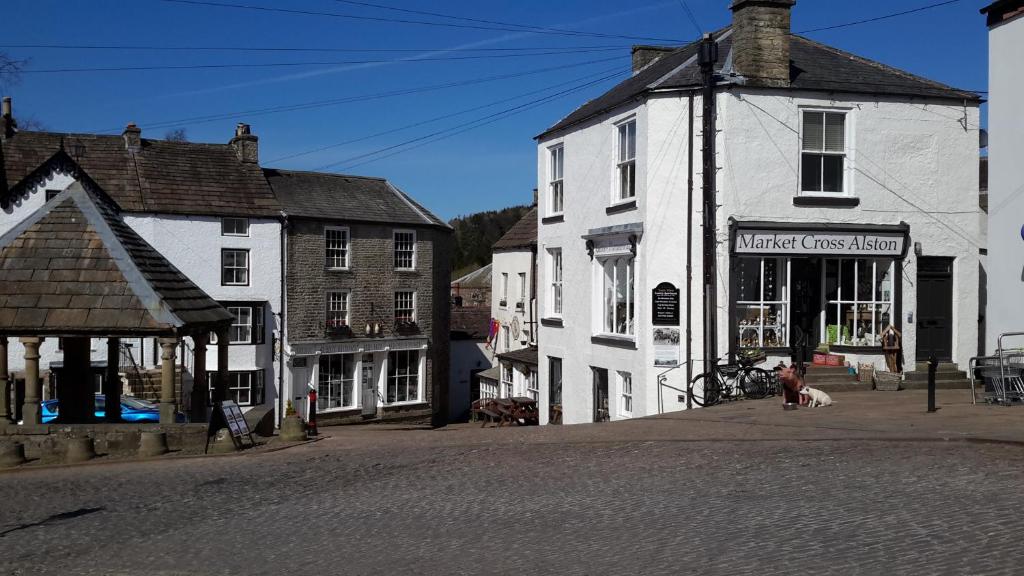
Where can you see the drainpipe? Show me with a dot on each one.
(281, 319)
(689, 257)
(533, 293)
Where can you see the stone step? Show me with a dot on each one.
(849, 386)
(812, 369)
(951, 384)
(922, 366)
(939, 375)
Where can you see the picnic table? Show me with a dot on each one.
(519, 410)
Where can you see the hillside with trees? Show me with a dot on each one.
(475, 233)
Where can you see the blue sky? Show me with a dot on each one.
(484, 168)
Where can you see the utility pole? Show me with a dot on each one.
(708, 55)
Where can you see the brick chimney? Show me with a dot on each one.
(132, 137)
(760, 41)
(646, 55)
(246, 144)
(7, 123)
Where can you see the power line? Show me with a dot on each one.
(358, 98)
(289, 48)
(693, 19)
(877, 18)
(290, 64)
(443, 117)
(504, 28)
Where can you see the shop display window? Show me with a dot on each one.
(859, 300)
(762, 302)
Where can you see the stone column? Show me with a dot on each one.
(167, 405)
(220, 391)
(112, 381)
(31, 412)
(5, 384)
(200, 385)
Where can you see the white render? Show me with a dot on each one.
(1005, 183)
(513, 263)
(904, 156)
(192, 244)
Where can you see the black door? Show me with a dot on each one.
(805, 302)
(600, 395)
(935, 308)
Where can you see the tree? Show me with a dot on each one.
(10, 70)
(176, 135)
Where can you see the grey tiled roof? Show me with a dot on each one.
(521, 235)
(167, 177)
(73, 267)
(343, 197)
(470, 322)
(525, 355)
(479, 278)
(814, 67)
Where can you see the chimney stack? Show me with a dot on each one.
(246, 144)
(132, 137)
(7, 123)
(643, 56)
(760, 41)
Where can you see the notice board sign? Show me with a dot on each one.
(665, 305)
(228, 415)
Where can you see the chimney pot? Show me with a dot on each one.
(760, 39)
(246, 144)
(132, 137)
(7, 124)
(6, 111)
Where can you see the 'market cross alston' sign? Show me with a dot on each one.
(819, 242)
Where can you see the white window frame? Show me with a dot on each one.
(533, 385)
(556, 179)
(783, 270)
(395, 241)
(508, 378)
(521, 304)
(508, 338)
(224, 267)
(846, 154)
(625, 382)
(503, 302)
(411, 317)
(253, 380)
(622, 162)
(855, 301)
(331, 310)
(607, 307)
(250, 325)
(224, 225)
(329, 260)
(397, 378)
(337, 381)
(555, 292)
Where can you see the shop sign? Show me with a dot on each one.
(666, 347)
(824, 242)
(665, 305)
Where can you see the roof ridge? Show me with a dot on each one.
(335, 174)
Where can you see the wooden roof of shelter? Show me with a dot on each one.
(74, 268)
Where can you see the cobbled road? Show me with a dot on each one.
(830, 507)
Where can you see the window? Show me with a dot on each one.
(859, 297)
(336, 248)
(532, 388)
(504, 290)
(403, 376)
(556, 281)
(507, 380)
(557, 190)
(336, 386)
(235, 267)
(248, 326)
(521, 304)
(618, 304)
(405, 306)
(234, 227)
(405, 250)
(488, 388)
(626, 391)
(554, 390)
(762, 302)
(823, 152)
(627, 161)
(244, 387)
(508, 338)
(337, 309)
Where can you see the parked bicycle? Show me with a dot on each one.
(729, 381)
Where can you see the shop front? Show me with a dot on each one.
(795, 287)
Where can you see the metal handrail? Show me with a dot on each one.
(1002, 364)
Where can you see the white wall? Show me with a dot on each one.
(513, 263)
(1005, 184)
(909, 162)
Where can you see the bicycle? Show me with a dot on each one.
(728, 381)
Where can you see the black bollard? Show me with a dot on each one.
(933, 365)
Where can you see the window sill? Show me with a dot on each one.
(405, 270)
(553, 219)
(627, 342)
(826, 201)
(551, 322)
(345, 269)
(338, 410)
(621, 207)
(405, 404)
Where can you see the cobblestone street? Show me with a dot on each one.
(445, 503)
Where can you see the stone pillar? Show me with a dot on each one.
(200, 385)
(220, 391)
(5, 384)
(31, 411)
(112, 381)
(167, 404)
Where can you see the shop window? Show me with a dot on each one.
(337, 382)
(403, 376)
(823, 152)
(618, 305)
(507, 380)
(554, 390)
(532, 387)
(762, 302)
(859, 300)
(488, 388)
(557, 189)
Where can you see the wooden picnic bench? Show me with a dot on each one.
(520, 410)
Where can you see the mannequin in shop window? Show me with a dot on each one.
(892, 342)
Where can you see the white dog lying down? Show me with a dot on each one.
(817, 397)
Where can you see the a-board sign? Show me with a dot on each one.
(665, 305)
(228, 415)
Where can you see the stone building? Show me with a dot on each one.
(367, 282)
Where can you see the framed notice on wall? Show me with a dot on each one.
(665, 305)
(666, 347)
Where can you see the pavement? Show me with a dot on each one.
(871, 485)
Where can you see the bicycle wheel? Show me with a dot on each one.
(754, 383)
(704, 390)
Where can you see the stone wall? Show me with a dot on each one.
(760, 37)
(47, 443)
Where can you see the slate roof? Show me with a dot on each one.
(814, 67)
(167, 177)
(525, 355)
(479, 278)
(343, 197)
(73, 267)
(522, 234)
(470, 322)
